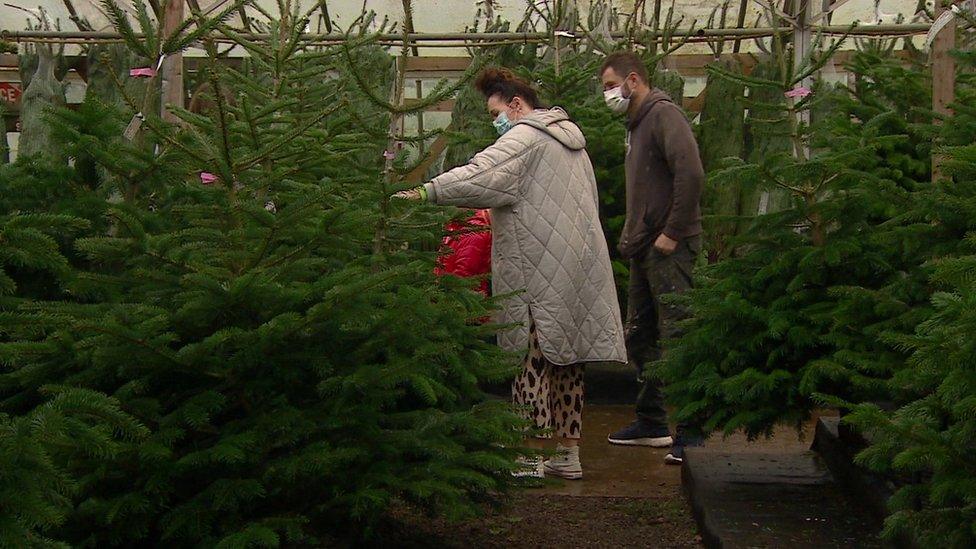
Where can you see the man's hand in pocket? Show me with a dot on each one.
(665, 245)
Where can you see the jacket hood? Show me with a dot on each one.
(653, 98)
(556, 123)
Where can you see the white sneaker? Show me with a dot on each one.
(566, 464)
(529, 468)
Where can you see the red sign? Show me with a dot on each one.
(10, 92)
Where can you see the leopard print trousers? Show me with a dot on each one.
(548, 395)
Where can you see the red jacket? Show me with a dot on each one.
(469, 245)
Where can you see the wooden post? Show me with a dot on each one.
(943, 78)
(802, 49)
(172, 69)
(657, 26)
(324, 6)
(740, 22)
(394, 136)
(802, 39)
(408, 25)
(556, 27)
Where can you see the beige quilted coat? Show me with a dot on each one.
(547, 241)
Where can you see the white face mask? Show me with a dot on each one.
(615, 100)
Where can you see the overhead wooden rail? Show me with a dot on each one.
(449, 39)
(419, 67)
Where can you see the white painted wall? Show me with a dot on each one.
(453, 15)
(440, 15)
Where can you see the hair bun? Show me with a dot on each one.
(502, 73)
(492, 76)
(506, 84)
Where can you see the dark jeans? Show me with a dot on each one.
(649, 321)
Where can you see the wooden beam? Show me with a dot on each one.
(417, 175)
(418, 83)
(441, 67)
(435, 64)
(477, 39)
(943, 78)
(943, 68)
(694, 64)
(446, 105)
(694, 104)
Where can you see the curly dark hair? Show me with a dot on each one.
(502, 82)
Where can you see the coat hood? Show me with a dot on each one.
(652, 99)
(556, 123)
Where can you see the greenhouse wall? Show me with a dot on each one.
(428, 16)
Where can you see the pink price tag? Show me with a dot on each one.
(389, 155)
(207, 178)
(144, 72)
(799, 92)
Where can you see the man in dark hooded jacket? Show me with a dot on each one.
(661, 236)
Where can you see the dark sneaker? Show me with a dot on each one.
(677, 454)
(639, 433)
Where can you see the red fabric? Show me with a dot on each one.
(469, 245)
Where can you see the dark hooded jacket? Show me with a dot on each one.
(664, 176)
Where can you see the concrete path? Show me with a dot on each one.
(767, 493)
(772, 493)
(610, 470)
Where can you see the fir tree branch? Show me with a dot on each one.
(166, 354)
(251, 47)
(249, 162)
(436, 97)
(205, 26)
(815, 64)
(120, 20)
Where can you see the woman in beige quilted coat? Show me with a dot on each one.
(549, 250)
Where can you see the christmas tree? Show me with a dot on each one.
(248, 294)
(856, 294)
(799, 309)
(929, 439)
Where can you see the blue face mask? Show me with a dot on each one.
(502, 123)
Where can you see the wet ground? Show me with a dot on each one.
(627, 498)
(630, 498)
(608, 470)
(773, 493)
(640, 471)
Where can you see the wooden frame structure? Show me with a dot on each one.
(808, 18)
